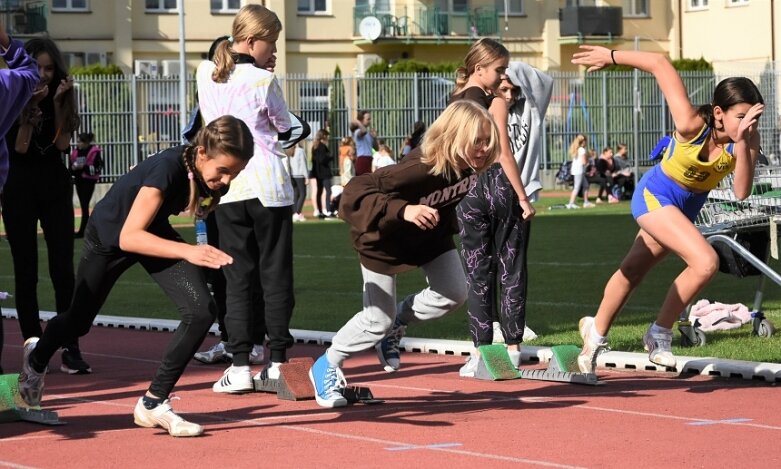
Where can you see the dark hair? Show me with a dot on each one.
(41, 45)
(226, 135)
(360, 115)
(86, 137)
(729, 92)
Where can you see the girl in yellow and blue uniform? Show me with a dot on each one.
(708, 143)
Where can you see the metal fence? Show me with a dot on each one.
(135, 116)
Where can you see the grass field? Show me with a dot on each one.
(572, 254)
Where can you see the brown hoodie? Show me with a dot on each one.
(373, 204)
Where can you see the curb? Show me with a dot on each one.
(709, 366)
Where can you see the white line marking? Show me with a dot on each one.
(14, 465)
(717, 422)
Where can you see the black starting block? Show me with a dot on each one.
(360, 395)
(495, 365)
(293, 383)
(13, 408)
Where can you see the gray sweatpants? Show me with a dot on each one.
(446, 291)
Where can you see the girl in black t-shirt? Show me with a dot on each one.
(130, 225)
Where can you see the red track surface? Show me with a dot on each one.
(432, 418)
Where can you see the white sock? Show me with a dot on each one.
(515, 357)
(240, 369)
(657, 329)
(595, 337)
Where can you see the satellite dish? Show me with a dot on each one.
(370, 28)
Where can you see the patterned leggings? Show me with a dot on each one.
(494, 241)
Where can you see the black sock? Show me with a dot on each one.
(152, 402)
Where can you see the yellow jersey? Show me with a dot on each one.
(681, 162)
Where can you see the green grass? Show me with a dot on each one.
(572, 255)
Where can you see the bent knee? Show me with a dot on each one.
(706, 265)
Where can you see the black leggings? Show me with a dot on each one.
(323, 184)
(299, 189)
(84, 189)
(99, 269)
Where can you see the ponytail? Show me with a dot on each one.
(223, 61)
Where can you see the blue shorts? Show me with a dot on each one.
(657, 190)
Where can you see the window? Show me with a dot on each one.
(69, 5)
(515, 7)
(581, 3)
(374, 6)
(734, 3)
(161, 5)
(635, 7)
(453, 6)
(698, 4)
(225, 6)
(313, 7)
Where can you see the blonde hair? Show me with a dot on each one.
(255, 21)
(577, 142)
(483, 52)
(224, 135)
(454, 134)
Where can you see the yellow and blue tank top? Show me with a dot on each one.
(680, 161)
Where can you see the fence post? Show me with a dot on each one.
(415, 96)
(134, 101)
(604, 112)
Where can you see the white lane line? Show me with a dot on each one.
(14, 465)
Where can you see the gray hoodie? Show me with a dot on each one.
(525, 122)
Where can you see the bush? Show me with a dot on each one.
(97, 69)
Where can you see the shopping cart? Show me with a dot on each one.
(743, 233)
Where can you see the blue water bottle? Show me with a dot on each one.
(200, 231)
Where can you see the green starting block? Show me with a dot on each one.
(14, 409)
(495, 365)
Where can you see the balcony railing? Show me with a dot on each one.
(432, 22)
(23, 17)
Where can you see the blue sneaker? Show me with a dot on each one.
(388, 349)
(328, 382)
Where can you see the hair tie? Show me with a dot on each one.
(230, 39)
(190, 175)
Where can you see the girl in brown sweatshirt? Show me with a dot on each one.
(403, 217)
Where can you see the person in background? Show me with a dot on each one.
(365, 139)
(17, 83)
(38, 144)
(298, 173)
(579, 155)
(623, 176)
(346, 160)
(86, 164)
(321, 172)
(384, 158)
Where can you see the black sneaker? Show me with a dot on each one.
(72, 363)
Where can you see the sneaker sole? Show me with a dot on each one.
(71, 371)
(323, 402)
(154, 424)
(206, 361)
(233, 388)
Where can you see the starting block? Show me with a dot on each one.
(293, 383)
(495, 365)
(13, 408)
(361, 395)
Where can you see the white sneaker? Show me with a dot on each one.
(571, 206)
(271, 371)
(164, 416)
(469, 369)
(587, 360)
(235, 379)
(659, 346)
(257, 355)
(217, 353)
(30, 382)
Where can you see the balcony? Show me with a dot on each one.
(23, 17)
(430, 25)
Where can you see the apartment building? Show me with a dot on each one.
(143, 35)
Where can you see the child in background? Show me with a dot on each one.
(403, 217)
(86, 164)
(346, 160)
(579, 154)
(383, 158)
(298, 174)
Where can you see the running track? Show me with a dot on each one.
(432, 418)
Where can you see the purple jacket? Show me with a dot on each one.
(17, 83)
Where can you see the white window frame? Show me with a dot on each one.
(698, 5)
(371, 5)
(737, 3)
(69, 6)
(632, 12)
(500, 9)
(225, 8)
(312, 12)
(160, 8)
